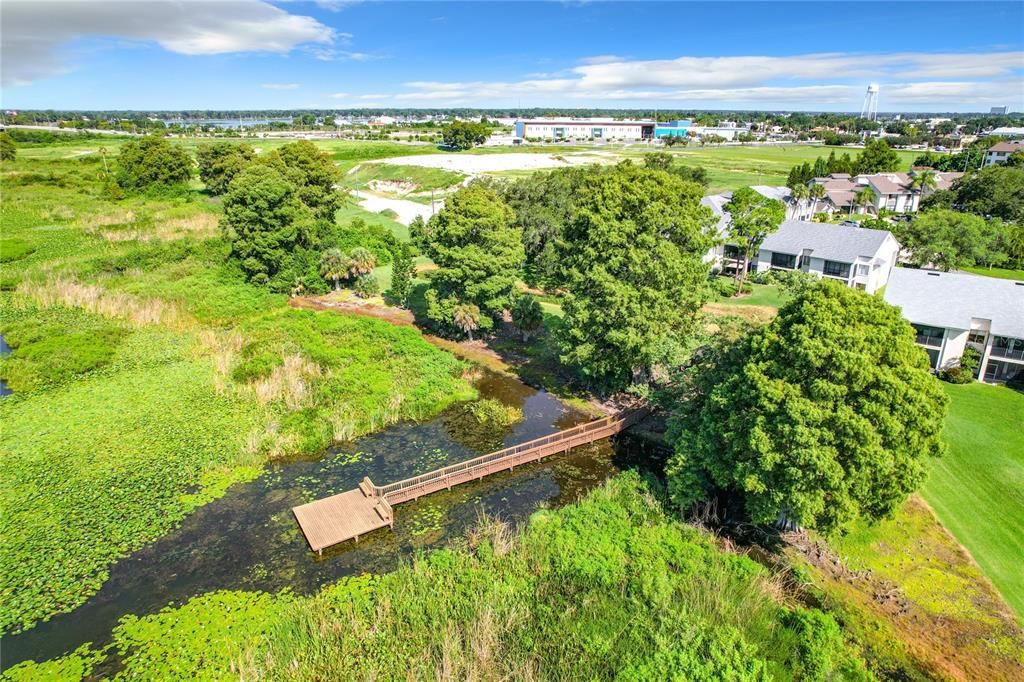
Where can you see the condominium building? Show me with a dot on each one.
(858, 257)
(892, 191)
(1000, 152)
(954, 311)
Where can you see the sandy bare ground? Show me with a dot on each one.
(488, 163)
(406, 210)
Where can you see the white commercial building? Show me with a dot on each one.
(954, 311)
(583, 129)
(858, 257)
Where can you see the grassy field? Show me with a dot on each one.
(419, 177)
(740, 166)
(977, 489)
(920, 607)
(1001, 273)
(146, 367)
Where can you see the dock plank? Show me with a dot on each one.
(338, 518)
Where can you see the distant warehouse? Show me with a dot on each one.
(609, 129)
(577, 129)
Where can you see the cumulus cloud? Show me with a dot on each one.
(280, 86)
(804, 81)
(36, 31)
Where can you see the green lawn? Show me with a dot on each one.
(350, 211)
(977, 489)
(1001, 273)
(739, 166)
(762, 295)
(424, 178)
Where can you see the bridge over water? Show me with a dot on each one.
(349, 515)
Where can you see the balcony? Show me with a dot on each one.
(1008, 353)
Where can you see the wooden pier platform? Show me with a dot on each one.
(348, 516)
(342, 517)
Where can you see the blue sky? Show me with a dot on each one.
(196, 54)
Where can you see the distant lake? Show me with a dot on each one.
(229, 122)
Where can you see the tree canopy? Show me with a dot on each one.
(754, 217)
(631, 256)
(152, 161)
(877, 157)
(827, 414)
(265, 221)
(313, 174)
(478, 251)
(220, 162)
(464, 135)
(996, 191)
(951, 240)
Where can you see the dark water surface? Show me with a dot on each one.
(249, 539)
(4, 350)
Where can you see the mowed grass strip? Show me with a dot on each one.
(977, 489)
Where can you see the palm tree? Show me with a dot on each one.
(333, 266)
(800, 194)
(924, 182)
(864, 197)
(816, 193)
(360, 262)
(466, 317)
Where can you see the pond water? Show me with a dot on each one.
(4, 350)
(249, 539)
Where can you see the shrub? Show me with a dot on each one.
(366, 286)
(152, 161)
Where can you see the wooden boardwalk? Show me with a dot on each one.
(348, 516)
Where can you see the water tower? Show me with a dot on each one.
(870, 108)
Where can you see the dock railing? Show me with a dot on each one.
(556, 442)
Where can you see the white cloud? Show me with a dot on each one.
(281, 86)
(803, 81)
(329, 54)
(339, 95)
(34, 31)
(602, 59)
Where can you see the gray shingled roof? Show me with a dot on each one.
(833, 242)
(951, 299)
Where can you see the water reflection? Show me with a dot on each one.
(249, 539)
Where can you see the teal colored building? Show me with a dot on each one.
(673, 129)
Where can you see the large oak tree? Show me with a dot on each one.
(827, 414)
(631, 257)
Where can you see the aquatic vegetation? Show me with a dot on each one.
(149, 377)
(612, 587)
(495, 412)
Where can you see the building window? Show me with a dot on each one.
(1000, 371)
(1007, 347)
(784, 261)
(933, 357)
(732, 251)
(559, 132)
(929, 336)
(835, 269)
(862, 270)
(976, 338)
(597, 133)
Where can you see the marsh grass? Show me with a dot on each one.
(611, 587)
(126, 378)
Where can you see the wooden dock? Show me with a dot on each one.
(348, 516)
